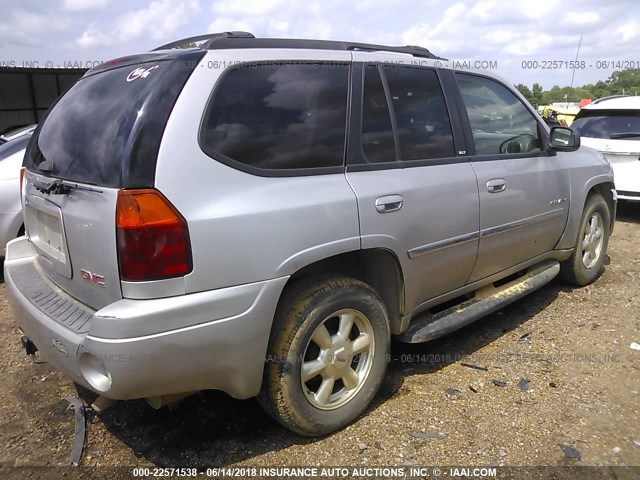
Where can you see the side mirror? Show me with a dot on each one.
(564, 139)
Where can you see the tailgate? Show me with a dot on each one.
(101, 136)
(75, 237)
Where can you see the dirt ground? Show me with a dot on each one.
(571, 347)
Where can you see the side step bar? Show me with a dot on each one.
(488, 299)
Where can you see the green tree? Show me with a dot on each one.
(536, 95)
(526, 93)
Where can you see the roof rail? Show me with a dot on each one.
(187, 42)
(610, 97)
(231, 40)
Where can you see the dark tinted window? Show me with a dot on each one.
(614, 124)
(377, 135)
(106, 130)
(500, 122)
(280, 116)
(424, 129)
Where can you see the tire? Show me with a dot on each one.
(318, 406)
(586, 263)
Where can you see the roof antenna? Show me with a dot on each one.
(575, 64)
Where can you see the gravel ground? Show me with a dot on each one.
(569, 377)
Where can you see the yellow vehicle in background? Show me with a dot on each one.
(556, 115)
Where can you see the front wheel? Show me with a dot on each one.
(327, 355)
(586, 263)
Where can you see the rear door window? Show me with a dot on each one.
(279, 117)
(378, 143)
(422, 119)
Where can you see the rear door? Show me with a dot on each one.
(417, 193)
(524, 191)
(102, 135)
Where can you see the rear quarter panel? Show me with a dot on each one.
(246, 228)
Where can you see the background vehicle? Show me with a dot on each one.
(230, 235)
(17, 133)
(11, 155)
(612, 126)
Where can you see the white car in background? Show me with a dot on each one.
(611, 125)
(12, 148)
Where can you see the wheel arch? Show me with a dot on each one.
(379, 268)
(601, 184)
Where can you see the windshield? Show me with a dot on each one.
(610, 124)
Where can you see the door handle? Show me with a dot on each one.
(389, 203)
(496, 185)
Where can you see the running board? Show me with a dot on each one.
(430, 326)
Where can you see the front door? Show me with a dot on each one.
(524, 190)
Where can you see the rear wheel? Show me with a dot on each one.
(586, 263)
(327, 355)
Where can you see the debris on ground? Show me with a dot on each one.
(475, 367)
(427, 435)
(362, 447)
(499, 383)
(525, 338)
(453, 392)
(634, 346)
(570, 452)
(80, 430)
(523, 384)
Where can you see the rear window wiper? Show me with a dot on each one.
(60, 187)
(624, 135)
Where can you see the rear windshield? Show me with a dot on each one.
(613, 124)
(106, 129)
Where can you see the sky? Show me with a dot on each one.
(519, 39)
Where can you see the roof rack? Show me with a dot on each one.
(190, 42)
(230, 40)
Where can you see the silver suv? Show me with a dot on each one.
(261, 216)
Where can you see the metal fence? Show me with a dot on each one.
(27, 93)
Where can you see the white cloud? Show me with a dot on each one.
(581, 19)
(26, 26)
(626, 32)
(158, 22)
(92, 38)
(223, 24)
(84, 5)
(247, 7)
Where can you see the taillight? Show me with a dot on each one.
(21, 181)
(153, 238)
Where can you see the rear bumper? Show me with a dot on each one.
(627, 177)
(118, 354)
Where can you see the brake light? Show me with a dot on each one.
(21, 181)
(153, 238)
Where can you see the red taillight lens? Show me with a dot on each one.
(21, 181)
(153, 238)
